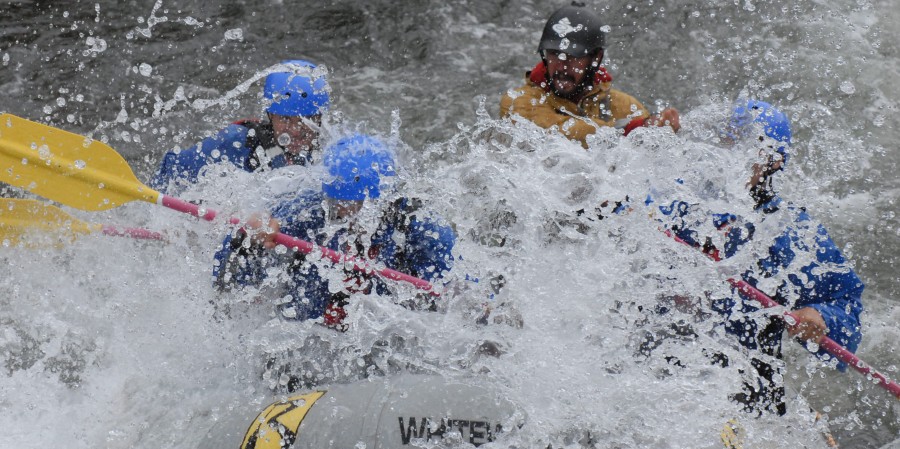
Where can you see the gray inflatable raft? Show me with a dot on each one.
(378, 413)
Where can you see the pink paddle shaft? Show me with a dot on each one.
(305, 247)
(135, 233)
(829, 345)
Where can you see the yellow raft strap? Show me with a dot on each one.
(733, 435)
(276, 427)
(829, 438)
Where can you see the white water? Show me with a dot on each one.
(127, 349)
(115, 343)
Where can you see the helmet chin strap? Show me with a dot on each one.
(592, 69)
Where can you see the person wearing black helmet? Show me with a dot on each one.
(570, 90)
(297, 93)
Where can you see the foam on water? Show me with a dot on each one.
(128, 344)
(117, 343)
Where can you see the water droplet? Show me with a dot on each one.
(235, 34)
(145, 69)
(24, 161)
(80, 164)
(284, 140)
(95, 45)
(848, 88)
(60, 101)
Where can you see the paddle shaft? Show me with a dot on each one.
(832, 347)
(21, 216)
(89, 175)
(135, 233)
(305, 247)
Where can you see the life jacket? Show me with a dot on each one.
(260, 136)
(538, 76)
(396, 218)
(428, 243)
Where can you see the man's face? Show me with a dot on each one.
(296, 134)
(763, 171)
(343, 209)
(769, 159)
(566, 73)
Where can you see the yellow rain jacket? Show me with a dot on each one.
(602, 106)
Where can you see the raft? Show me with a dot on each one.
(378, 413)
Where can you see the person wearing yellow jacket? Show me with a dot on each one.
(569, 90)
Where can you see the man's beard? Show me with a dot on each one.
(574, 92)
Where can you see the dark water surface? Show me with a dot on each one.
(130, 71)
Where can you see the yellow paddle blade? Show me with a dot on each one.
(65, 167)
(31, 223)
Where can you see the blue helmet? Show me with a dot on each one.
(297, 93)
(775, 124)
(356, 166)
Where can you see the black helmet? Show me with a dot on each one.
(573, 30)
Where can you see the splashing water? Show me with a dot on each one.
(116, 343)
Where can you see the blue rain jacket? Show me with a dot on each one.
(237, 143)
(818, 276)
(406, 240)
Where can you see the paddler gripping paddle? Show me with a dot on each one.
(89, 175)
(24, 222)
(832, 347)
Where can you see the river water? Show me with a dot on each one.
(115, 343)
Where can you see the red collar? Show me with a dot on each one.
(538, 75)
